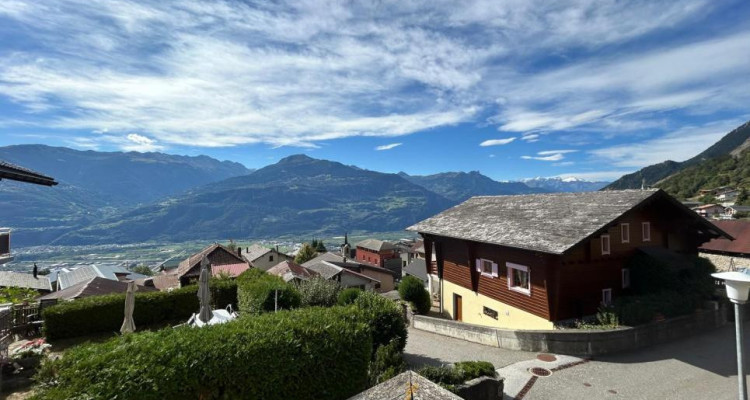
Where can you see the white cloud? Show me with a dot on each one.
(388, 146)
(548, 152)
(553, 157)
(497, 142)
(678, 145)
(531, 138)
(609, 175)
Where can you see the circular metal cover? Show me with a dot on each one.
(541, 372)
(546, 357)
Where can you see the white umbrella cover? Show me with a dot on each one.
(204, 293)
(128, 325)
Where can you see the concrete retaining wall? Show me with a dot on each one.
(578, 342)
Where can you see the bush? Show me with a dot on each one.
(102, 314)
(318, 292)
(385, 319)
(475, 369)
(388, 362)
(637, 310)
(347, 296)
(412, 289)
(266, 293)
(250, 275)
(312, 353)
(450, 376)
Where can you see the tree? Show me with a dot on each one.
(143, 270)
(232, 246)
(305, 254)
(320, 247)
(741, 198)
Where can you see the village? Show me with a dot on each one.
(568, 277)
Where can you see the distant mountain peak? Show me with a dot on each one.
(296, 158)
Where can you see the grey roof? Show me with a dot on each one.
(86, 272)
(18, 279)
(331, 257)
(550, 223)
(375, 244)
(740, 208)
(95, 286)
(417, 268)
(21, 174)
(255, 252)
(400, 386)
(325, 269)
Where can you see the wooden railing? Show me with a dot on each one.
(19, 318)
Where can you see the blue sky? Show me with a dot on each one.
(514, 89)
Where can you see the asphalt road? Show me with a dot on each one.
(699, 367)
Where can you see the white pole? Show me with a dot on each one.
(276, 300)
(740, 352)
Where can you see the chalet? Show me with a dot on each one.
(380, 253)
(189, 269)
(709, 210)
(16, 173)
(264, 258)
(528, 261)
(732, 211)
(291, 272)
(728, 255)
(346, 278)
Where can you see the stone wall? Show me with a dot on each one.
(722, 262)
(578, 342)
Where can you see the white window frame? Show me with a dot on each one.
(609, 244)
(607, 293)
(479, 265)
(646, 231)
(511, 286)
(625, 278)
(625, 232)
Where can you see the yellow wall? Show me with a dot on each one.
(473, 303)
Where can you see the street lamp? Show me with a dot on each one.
(737, 284)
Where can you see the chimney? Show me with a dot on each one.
(35, 271)
(239, 252)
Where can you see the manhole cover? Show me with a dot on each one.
(538, 371)
(546, 357)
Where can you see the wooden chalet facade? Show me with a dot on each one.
(188, 270)
(526, 262)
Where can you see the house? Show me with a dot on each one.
(385, 277)
(264, 258)
(709, 210)
(289, 271)
(729, 255)
(727, 195)
(731, 211)
(39, 283)
(529, 261)
(380, 253)
(21, 174)
(229, 270)
(346, 278)
(69, 277)
(95, 286)
(189, 269)
(162, 282)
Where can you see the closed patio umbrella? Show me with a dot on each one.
(204, 294)
(128, 325)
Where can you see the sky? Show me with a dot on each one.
(514, 89)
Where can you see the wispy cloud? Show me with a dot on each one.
(388, 146)
(531, 138)
(548, 152)
(497, 142)
(549, 155)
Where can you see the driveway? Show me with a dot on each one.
(699, 367)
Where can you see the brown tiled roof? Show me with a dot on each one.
(160, 282)
(739, 229)
(16, 173)
(233, 270)
(254, 252)
(289, 270)
(95, 286)
(189, 263)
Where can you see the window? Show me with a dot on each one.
(607, 296)
(486, 267)
(605, 244)
(646, 231)
(519, 278)
(270, 258)
(625, 278)
(625, 233)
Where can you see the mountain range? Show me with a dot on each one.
(113, 197)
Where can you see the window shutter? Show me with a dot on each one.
(478, 264)
(495, 272)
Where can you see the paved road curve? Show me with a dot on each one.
(700, 367)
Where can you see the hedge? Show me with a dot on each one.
(451, 376)
(348, 295)
(386, 319)
(412, 289)
(103, 314)
(265, 293)
(312, 353)
(318, 292)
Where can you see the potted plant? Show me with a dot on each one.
(30, 354)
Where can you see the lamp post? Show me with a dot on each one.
(737, 284)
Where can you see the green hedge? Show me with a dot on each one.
(318, 292)
(385, 317)
(412, 289)
(347, 296)
(102, 314)
(312, 353)
(450, 376)
(259, 295)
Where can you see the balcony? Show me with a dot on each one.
(5, 255)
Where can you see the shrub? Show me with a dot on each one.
(250, 275)
(385, 319)
(388, 362)
(347, 296)
(305, 254)
(411, 289)
(312, 353)
(102, 314)
(475, 369)
(318, 292)
(266, 293)
(450, 376)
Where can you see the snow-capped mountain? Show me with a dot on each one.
(567, 184)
